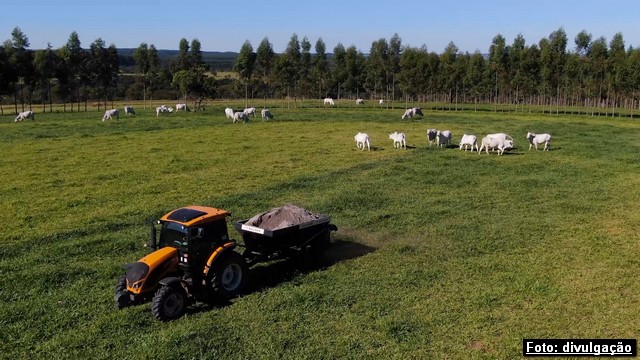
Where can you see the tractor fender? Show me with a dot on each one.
(217, 254)
(170, 281)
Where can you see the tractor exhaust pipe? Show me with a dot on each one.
(153, 244)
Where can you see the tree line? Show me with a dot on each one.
(593, 73)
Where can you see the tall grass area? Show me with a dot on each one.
(440, 253)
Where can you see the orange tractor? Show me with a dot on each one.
(195, 260)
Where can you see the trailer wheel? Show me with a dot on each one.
(169, 303)
(230, 275)
(121, 296)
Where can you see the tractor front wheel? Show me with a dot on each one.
(121, 296)
(169, 303)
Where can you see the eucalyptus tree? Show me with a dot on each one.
(616, 70)
(499, 64)
(395, 52)
(155, 69)
(191, 78)
(143, 65)
(265, 59)
(320, 68)
(582, 41)
(475, 77)
(182, 60)
(633, 67)
(339, 68)
(377, 67)
(305, 67)
(5, 72)
(72, 68)
(45, 67)
(20, 61)
(449, 71)
(97, 65)
(517, 67)
(244, 66)
(288, 67)
(558, 59)
(597, 56)
(433, 81)
(413, 72)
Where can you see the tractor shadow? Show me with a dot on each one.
(269, 275)
(275, 273)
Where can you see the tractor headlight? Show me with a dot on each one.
(137, 285)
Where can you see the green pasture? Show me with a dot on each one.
(440, 253)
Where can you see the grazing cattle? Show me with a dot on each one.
(399, 140)
(444, 138)
(109, 114)
(329, 101)
(250, 111)
(170, 109)
(469, 140)
(410, 113)
(359, 102)
(229, 113)
(535, 139)
(25, 115)
(129, 110)
(381, 102)
(162, 109)
(266, 114)
(495, 143)
(182, 107)
(240, 115)
(362, 139)
(431, 136)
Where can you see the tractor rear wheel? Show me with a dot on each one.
(169, 303)
(230, 275)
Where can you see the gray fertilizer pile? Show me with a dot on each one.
(282, 217)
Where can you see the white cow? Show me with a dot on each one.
(535, 139)
(229, 113)
(240, 115)
(162, 109)
(250, 111)
(495, 143)
(501, 136)
(182, 107)
(359, 102)
(329, 101)
(381, 102)
(399, 140)
(109, 114)
(129, 110)
(410, 113)
(444, 138)
(25, 115)
(431, 136)
(170, 109)
(362, 139)
(266, 114)
(469, 140)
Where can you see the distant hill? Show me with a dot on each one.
(217, 60)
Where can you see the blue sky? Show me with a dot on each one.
(225, 25)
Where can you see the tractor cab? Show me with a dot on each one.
(195, 231)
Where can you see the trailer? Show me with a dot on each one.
(307, 240)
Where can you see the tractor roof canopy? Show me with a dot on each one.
(195, 215)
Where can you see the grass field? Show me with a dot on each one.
(439, 253)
